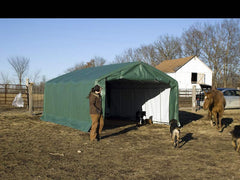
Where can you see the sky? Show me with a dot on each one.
(55, 45)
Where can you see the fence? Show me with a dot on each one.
(187, 98)
(33, 96)
(38, 97)
(9, 91)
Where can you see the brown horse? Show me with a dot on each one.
(215, 102)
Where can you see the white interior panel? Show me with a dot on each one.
(125, 98)
(158, 107)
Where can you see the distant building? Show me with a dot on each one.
(187, 71)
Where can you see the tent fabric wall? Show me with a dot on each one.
(158, 107)
(66, 104)
(65, 97)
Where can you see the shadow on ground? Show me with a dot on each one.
(116, 123)
(184, 118)
(226, 122)
(187, 117)
(133, 127)
(185, 139)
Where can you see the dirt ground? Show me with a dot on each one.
(35, 149)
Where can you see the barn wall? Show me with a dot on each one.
(184, 74)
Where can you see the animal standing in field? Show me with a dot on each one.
(215, 102)
(174, 133)
(236, 137)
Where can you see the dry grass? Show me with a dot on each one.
(34, 149)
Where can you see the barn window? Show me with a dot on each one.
(198, 78)
(194, 78)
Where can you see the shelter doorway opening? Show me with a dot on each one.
(124, 98)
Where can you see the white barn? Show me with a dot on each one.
(188, 71)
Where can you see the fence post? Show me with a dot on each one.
(194, 98)
(30, 87)
(27, 83)
(5, 94)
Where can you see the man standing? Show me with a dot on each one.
(95, 106)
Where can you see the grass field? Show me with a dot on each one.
(35, 149)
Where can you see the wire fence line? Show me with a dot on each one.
(9, 91)
(38, 98)
(187, 97)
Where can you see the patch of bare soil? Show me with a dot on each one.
(35, 149)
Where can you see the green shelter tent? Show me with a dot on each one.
(127, 88)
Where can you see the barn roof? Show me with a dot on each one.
(173, 65)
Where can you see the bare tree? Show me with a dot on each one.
(230, 42)
(211, 52)
(99, 61)
(147, 54)
(218, 46)
(20, 65)
(168, 47)
(96, 61)
(77, 67)
(192, 40)
(220, 50)
(127, 56)
(164, 48)
(35, 77)
(5, 78)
